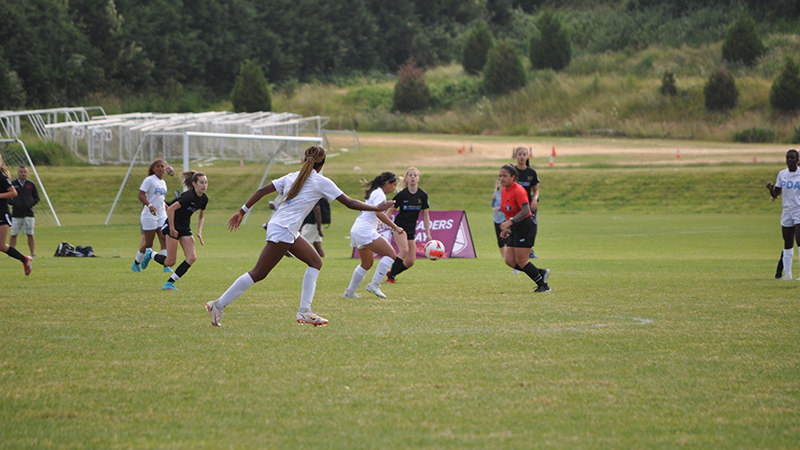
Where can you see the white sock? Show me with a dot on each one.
(164, 252)
(139, 256)
(358, 278)
(309, 287)
(384, 266)
(237, 288)
(788, 255)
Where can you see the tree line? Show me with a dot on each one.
(54, 52)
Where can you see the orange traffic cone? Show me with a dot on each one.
(241, 163)
(551, 161)
(754, 158)
(554, 150)
(678, 155)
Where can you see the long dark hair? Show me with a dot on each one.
(527, 160)
(191, 177)
(314, 158)
(153, 164)
(380, 180)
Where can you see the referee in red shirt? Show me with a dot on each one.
(519, 229)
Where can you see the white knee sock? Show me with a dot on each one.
(139, 256)
(358, 278)
(788, 255)
(309, 287)
(383, 267)
(237, 288)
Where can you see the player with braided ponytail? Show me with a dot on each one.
(301, 190)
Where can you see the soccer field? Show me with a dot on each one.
(664, 330)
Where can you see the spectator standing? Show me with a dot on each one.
(22, 214)
(499, 217)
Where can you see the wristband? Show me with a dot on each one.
(149, 205)
(511, 220)
(245, 208)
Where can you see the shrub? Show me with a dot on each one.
(250, 91)
(668, 84)
(503, 72)
(720, 92)
(742, 42)
(785, 92)
(755, 134)
(43, 153)
(476, 47)
(410, 92)
(550, 48)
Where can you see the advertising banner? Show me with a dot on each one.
(450, 227)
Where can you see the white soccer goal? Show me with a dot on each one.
(13, 159)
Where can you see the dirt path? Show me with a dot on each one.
(632, 151)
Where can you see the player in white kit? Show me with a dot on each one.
(301, 191)
(787, 186)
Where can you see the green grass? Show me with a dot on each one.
(665, 328)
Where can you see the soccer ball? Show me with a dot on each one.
(434, 250)
(170, 171)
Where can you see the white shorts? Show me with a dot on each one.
(361, 238)
(790, 218)
(22, 223)
(150, 222)
(311, 233)
(276, 233)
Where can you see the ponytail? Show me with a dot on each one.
(191, 177)
(380, 180)
(314, 158)
(4, 169)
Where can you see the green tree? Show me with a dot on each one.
(251, 91)
(742, 42)
(550, 48)
(476, 47)
(410, 92)
(785, 92)
(720, 91)
(503, 72)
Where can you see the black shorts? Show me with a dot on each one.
(5, 219)
(411, 232)
(500, 241)
(523, 234)
(181, 233)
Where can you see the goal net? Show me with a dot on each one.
(16, 155)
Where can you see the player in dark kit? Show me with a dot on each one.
(527, 178)
(410, 201)
(178, 226)
(7, 191)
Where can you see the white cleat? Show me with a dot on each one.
(216, 313)
(787, 278)
(311, 318)
(350, 294)
(375, 290)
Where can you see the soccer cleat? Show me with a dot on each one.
(216, 313)
(532, 255)
(135, 267)
(787, 277)
(310, 318)
(350, 294)
(375, 290)
(515, 271)
(545, 274)
(146, 260)
(390, 280)
(168, 269)
(169, 286)
(27, 264)
(543, 288)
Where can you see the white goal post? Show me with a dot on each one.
(10, 160)
(268, 153)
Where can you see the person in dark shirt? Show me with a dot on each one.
(312, 225)
(410, 201)
(7, 191)
(178, 227)
(22, 214)
(527, 178)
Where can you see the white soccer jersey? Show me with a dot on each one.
(155, 190)
(368, 220)
(789, 182)
(290, 213)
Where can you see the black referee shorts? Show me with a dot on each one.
(523, 234)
